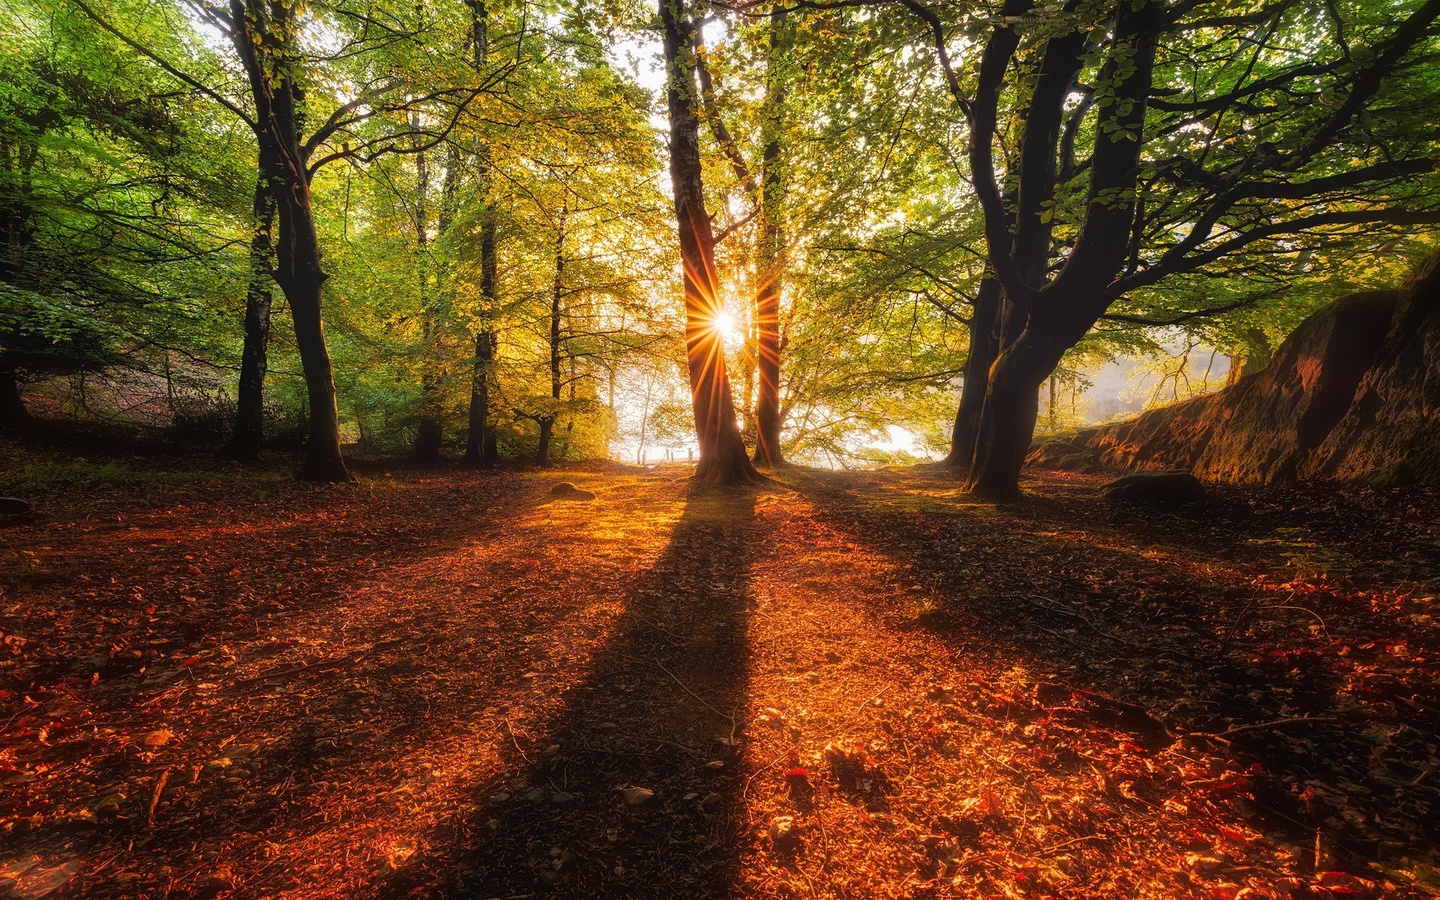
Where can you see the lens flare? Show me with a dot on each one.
(728, 329)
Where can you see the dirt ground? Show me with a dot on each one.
(220, 682)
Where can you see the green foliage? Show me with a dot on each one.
(125, 202)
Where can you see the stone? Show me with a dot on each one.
(1167, 487)
(564, 490)
(14, 506)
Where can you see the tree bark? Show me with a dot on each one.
(249, 432)
(547, 432)
(429, 432)
(323, 460)
(770, 256)
(1043, 316)
(481, 445)
(557, 290)
(723, 458)
(984, 348)
(1007, 420)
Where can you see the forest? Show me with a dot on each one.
(597, 448)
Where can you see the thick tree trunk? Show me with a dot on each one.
(301, 277)
(249, 431)
(323, 460)
(14, 417)
(723, 459)
(429, 432)
(1007, 426)
(547, 433)
(1056, 310)
(767, 403)
(1007, 421)
(557, 291)
(984, 348)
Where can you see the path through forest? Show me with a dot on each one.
(849, 684)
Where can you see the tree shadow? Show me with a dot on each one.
(1162, 646)
(322, 710)
(633, 789)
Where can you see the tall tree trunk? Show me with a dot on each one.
(481, 445)
(1007, 421)
(249, 431)
(429, 433)
(557, 291)
(547, 432)
(14, 417)
(17, 231)
(770, 258)
(302, 279)
(723, 459)
(323, 460)
(264, 34)
(1012, 401)
(1030, 343)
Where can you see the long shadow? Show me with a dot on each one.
(240, 607)
(1143, 631)
(633, 789)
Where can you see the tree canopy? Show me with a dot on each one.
(887, 211)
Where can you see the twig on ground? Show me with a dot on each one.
(155, 797)
(1070, 843)
(1303, 609)
(511, 731)
(878, 694)
(1264, 726)
(699, 699)
(756, 774)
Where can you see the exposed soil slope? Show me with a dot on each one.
(1353, 395)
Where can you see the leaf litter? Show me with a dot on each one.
(851, 685)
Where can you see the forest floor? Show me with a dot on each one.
(220, 682)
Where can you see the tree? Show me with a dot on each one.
(770, 249)
(1157, 138)
(266, 39)
(723, 457)
(764, 188)
(113, 243)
